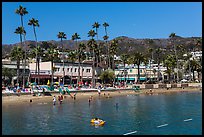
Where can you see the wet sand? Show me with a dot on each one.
(25, 99)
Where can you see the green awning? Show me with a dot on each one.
(141, 78)
(124, 78)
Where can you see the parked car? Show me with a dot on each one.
(184, 80)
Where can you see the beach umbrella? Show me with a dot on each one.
(48, 82)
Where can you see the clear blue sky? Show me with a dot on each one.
(132, 19)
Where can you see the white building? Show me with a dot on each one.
(71, 70)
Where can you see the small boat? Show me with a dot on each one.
(97, 122)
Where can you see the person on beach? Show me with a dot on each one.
(99, 91)
(59, 99)
(74, 96)
(89, 101)
(54, 100)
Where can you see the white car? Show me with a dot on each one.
(184, 80)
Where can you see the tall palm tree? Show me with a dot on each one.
(106, 40)
(75, 37)
(137, 59)
(98, 58)
(96, 25)
(62, 35)
(33, 22)
(22, 11)
(172, 36)
(20, 31)
(92, 44)
(17, 54)
(105, 24)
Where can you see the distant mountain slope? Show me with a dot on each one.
(125, 44)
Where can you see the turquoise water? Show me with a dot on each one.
(163, 114)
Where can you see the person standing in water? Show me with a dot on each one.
(54, 100)
(99, 91)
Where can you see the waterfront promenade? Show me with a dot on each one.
(8, 99)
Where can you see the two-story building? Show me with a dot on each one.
(71, 71)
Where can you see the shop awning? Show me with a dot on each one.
(126, 79)
(142, 78)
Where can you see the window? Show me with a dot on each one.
(75, 70)
(83, 70)
(140, 71)
(71, 69)
(88, 70)
(56, 70)
(130, 70)
(67, 69)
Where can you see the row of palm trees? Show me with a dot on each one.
(94, 47)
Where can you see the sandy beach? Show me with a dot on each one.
(25, 99)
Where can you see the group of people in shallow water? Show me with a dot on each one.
(60, 99)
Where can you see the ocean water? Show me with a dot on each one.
(163, 114)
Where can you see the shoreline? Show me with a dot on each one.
(25, 99)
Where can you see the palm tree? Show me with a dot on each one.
(9, 73)
(81, 56)
(19, 31)
(113, 50)
(92, 43)
(17, 54)
(62, 35)
(195, 66)
(37, 51)
(33, 22)
(172, 36)
(105, 24)
(75, 37)
(98, 58)
(170, 63)
(52, 55)
(124, 58)
(96, 25)
(72, 56)
(158, 52)
(105, 39)
(150, 51)
(22, 11)
(137, 59)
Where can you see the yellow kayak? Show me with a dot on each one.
(98, 122)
